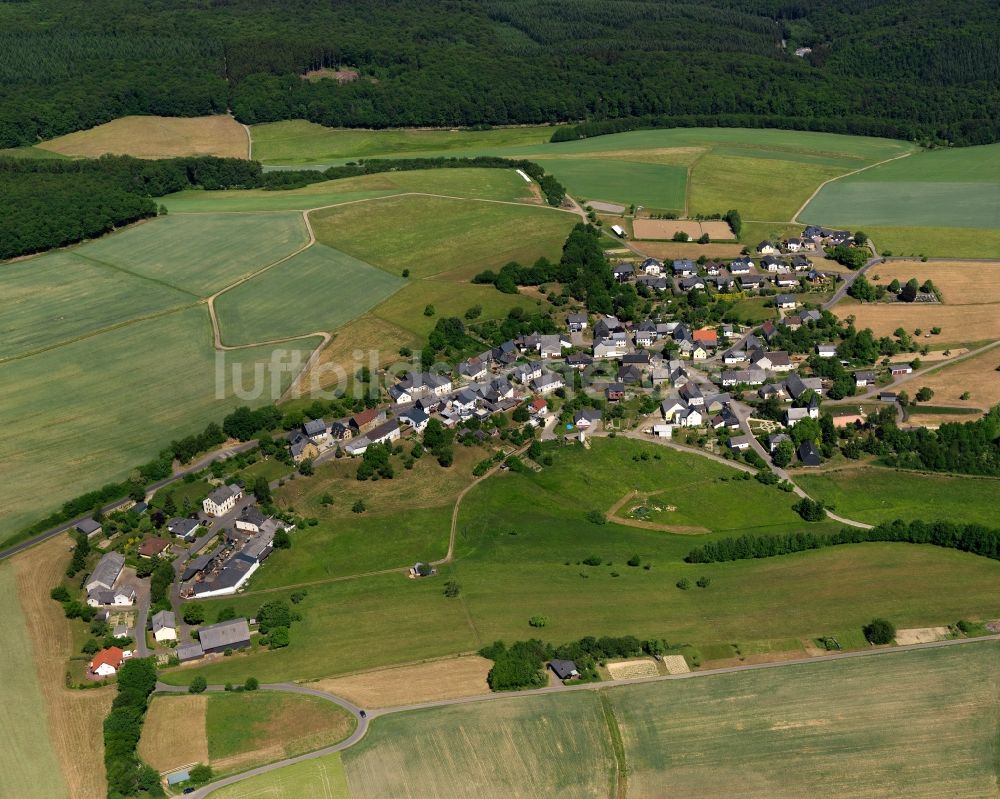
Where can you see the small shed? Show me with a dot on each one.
(178, 777)
(564, 669)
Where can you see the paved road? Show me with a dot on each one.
(363, 723)
(195, 466)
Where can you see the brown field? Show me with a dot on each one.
(960, 283)
(978, 376)
(75, 717)
(932, 421)
(959, 323)
(669, 250)
(174, 732)
(340, 75)
(627, 669)
(408, 685)
(666, 228)
(156, 137)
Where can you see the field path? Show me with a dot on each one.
(249, 142)
(795, 216)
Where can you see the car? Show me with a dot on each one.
(362, 714)
(189, 789)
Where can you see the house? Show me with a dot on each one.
(502, 389)
(576, 322)
(663, 430)
(527, 372)
(812, 315)
(773, 442)
(152, 547)
(772, 264)
(623, 272)
(538, 407)
(739, 443)
(897, 369)
(672, 406)
(730, 331)
(615, 392)
(775, 390)
(692, 395)
(750, 377)
(888, 396)
(415, 418)
(122, 596)
(107, 662)
(795, 415)
(340, 431)
(250, 520)
(629, 374)
(766, 248)
(691, 417)
(713, 268)
(225, 635)
(786, 280)
(607, 325)
(184, 528)
(706, 336)
(684, 267)
(386, 433)
(689, 283)
(651, 266)
(608, 349)
(639, 358)
(724, 283)
(473, 369)
(366, 420)
(741, 266)
(797, 387)
(317, 430)
(826, 350)
(801, 264)
(418, 384)
(734, 356)
(547, 383)
(816, 277)
(646, 337)
(699, 352)
(793, 245)
(164, 626)
(107, 571)
(187, 652)
(586, 417)
(772, 361)
(808, 455)
(302, 447)
(564, 669)
(357, 445)
(221, 500)
(505, 354)
(88, 527)
(551, 346)
(785, 301)
(864, 378)
(752, 282)
(651, 282)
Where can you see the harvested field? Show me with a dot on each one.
(157, 137)
(629, 669)
(960, 282)
(666, 228)
(407, 685)
(921, 635)
(174, 733)
(671, 250)
(960, 324)
(75, 718)
(979, 376)
(675, 664)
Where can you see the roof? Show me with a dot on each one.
(808, 454)
(191, 651)
(538, 403)
(112, 656)
(165, 619)
(314, 427)
(88, 526)
(590, 414)
(153, 546)
(223, 634)
(577, 318)
(181, 526)
(252, 515)
(107, 570)
(365, 417)
(415, 416)
(705, 335)
(563, 669)
(222, 494)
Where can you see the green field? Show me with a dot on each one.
(322, 778)
(62, 295)
(521, 540)
(957, 188)
(937, 242)
(200, 254)
(651, 185)
(873, 494)
(87, 412)
(28, 765)
(318, 289)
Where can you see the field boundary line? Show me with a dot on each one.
(619, 782)
(795, 216)
(126, 271)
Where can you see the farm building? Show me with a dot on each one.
(225, 635)
(106, 572)
(88, 527)
(164, 626)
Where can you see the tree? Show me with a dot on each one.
(273, 614)
(538, 621)
(782, 455)
(704, 239)
(429, 310)
(60, 593)
(262, 490)
(359, 506)
(198, 685)
(895, 286)
(810, 510)
(193, 613)
(924, 394)
(91, 647)
(909, 292)
(278, 638)
(860, 239)
(170, 504)
(521, 413)
(282, 540)
(251, 684)
(306, 468)
(879, 631)
(200, 774)
(326, 499)
(635, 560)
(452, 589)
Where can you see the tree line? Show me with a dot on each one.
(127, 774)
(974, 538)
(913, 70)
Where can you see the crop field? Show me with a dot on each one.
(28, 765)
(658, 186)
(431, 236)
(937, 242)
(173, 734)
(960, 283)
(512, 748)
(200, 254)
(943, 188)
(320, 288)
(321, 778)
(156, 137)
(979, 376)
(960, 324)
(123, 395)
(62, 295)
(665, 229)
(873, 494)
(514, 565)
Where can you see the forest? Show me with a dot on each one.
(917, 69)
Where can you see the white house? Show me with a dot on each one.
(107, 662)
(766, 248)
(164, 626)
(415, 418)
(547, 383)
(222, 500)
(826, 350)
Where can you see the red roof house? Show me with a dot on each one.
(107, 661)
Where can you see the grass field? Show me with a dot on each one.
(156, 137)
(174, 733)
(322, 778)
(521, 540)
(28, 765)
(658, 186)
(317, 289)
(873, 494)
(943, 188)
(937, 242)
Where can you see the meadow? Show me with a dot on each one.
(874, 494)
(659, 186)
(936, 242)
(957, 188)
(521, 541)
(321, 778)
(320, 288)
(959, 324)
(156, 137)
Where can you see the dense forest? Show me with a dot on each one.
(917, 69)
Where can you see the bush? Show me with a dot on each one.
(634, 561)
(200, 774)
(452, 589)
(538, 621)
(596, 517)
(593, 560)
(298, 596)
(810, 510)
(278, 638)
(359, 506)
(60, 593)
(273, 614)
(684, 584)
(703, 582)
(879, 631)
(251, 684)
(198, 685)
(193, 613)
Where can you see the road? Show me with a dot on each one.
(363, 723)
(195, 466)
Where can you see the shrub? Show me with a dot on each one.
(703, 582)
(193, 613)
(278, 638)
(60, 593)
(538, 621)
(634, 561)
(298, 596)
(879, 631)
(198, 685)
(684, 584)
(359, 506)
(452, 589)
(593, 560)
(251, 684)
(596, 517)
(200, 774)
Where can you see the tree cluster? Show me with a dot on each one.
(127, 774)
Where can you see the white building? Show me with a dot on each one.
(222, 500)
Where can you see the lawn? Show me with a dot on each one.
(122, 396)
(658, 186)
(156, 137)
(432, 235)
(321, 778)
(873, 494)
(754, 309)
(200, 254)
(319, 289)
(519, 552)
(28, 764)
(942, 188)
(60, 296)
